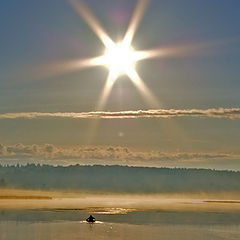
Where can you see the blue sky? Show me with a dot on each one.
(34, 33)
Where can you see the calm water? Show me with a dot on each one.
(68, 224)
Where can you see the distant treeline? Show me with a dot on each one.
(118, 179)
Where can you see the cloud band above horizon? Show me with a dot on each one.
(230, 113)
(104, 154)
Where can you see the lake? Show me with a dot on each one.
(118, 223)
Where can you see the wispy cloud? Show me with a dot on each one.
(49, 153)
(231, 113)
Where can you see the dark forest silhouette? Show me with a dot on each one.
(118, 179)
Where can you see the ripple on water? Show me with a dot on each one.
(96, 222)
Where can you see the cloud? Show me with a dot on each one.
(49, 153)
(231, 113)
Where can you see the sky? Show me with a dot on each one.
(48, 113)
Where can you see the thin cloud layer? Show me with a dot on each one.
(102, 155)
(230, 113)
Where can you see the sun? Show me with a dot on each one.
(119, 59)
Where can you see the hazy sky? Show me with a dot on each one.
(35, 34)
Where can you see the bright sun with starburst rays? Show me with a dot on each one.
(119, 58)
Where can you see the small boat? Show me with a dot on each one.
(91, 219)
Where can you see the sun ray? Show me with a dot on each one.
(112, 75)
(165, 52)
(153, 53)
(91, 20)
(183, 50)
(136, 79)
(136, 18)
(62, 67)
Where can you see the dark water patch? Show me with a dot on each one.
(137, 217)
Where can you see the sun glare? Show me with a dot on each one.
(119, 58)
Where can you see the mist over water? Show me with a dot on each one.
(47, 202)
(27, 215)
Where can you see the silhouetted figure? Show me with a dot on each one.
(91, 219)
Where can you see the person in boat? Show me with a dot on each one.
(91, 219)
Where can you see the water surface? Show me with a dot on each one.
(70, 224)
